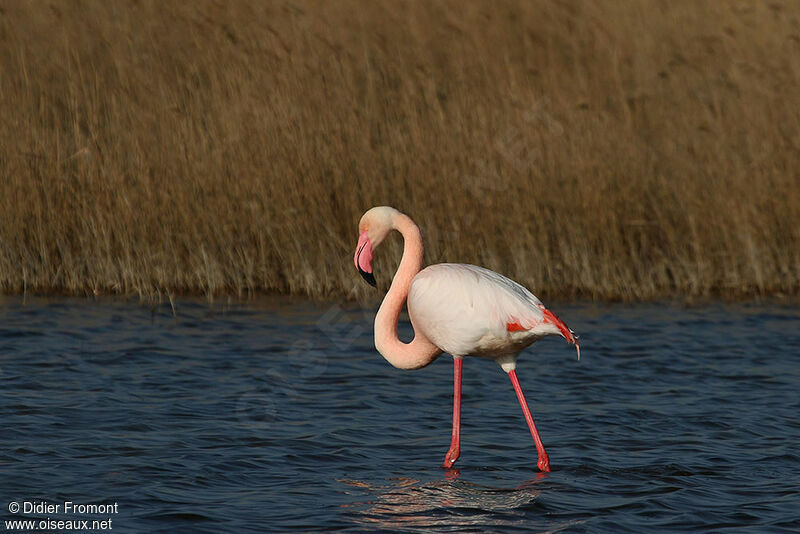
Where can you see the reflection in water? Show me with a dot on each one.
(407, 503)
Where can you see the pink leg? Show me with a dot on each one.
(455, 443)
(544, 461)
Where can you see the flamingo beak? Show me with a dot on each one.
(363, 258)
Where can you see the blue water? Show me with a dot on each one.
(278, 414)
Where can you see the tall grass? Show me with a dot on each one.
(610, 150)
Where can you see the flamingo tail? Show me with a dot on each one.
(568, 334)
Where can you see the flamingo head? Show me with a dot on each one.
(373, 228)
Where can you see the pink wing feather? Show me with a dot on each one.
(459, 307)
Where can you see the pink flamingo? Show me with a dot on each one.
(460, 309)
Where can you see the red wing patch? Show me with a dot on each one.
(550, 317)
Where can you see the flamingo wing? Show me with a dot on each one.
(465, 309)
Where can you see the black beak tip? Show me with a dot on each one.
(369, 277)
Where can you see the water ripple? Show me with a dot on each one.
(279, 415)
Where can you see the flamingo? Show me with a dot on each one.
(460, 309)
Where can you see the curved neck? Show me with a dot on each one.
(420, 351)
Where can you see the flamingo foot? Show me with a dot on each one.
(544, 464)
(451, 457)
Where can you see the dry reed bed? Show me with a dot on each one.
(605, 150)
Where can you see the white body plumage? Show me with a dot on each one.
(466, 310)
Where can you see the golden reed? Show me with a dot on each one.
(610, 150)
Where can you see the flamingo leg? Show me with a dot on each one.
(455, 444)
(544, 461)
